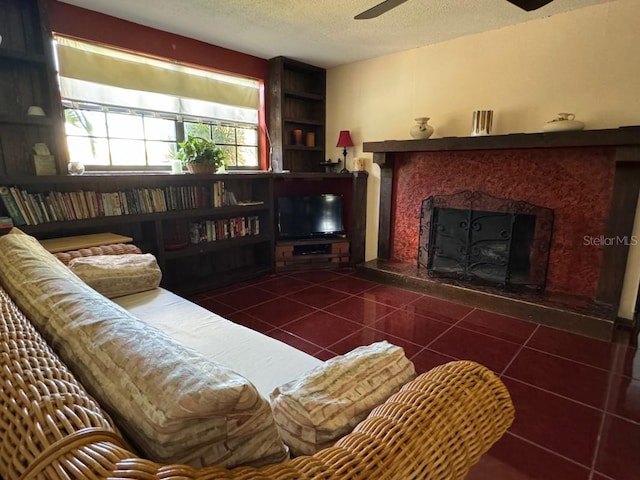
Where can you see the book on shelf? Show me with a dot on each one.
(11, 206)
(6, 222)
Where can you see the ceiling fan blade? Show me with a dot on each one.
(379, 9)
(529, 5)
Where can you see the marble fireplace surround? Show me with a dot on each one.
(589, 178)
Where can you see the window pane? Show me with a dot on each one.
(247, 136)
(247, 156)
(90, 151)
(159, 153)
(85, 123)
(127, 152)
(224, 135)
(124, 126)
(159, 129)
(229, 155)
(197, 130)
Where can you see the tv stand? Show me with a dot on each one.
(312, 253)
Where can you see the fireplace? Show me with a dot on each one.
(482, 239)
(590, 180)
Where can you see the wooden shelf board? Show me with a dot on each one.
(204, 247)
(583, 138)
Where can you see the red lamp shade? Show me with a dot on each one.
(344, 140)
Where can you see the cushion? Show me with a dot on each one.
(174, 404)
(328, 402)
(117, 275)
(112, 249)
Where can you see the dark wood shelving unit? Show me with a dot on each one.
(296, 101)
(28, 78)
(188, 269)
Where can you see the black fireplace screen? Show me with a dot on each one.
(475, 237)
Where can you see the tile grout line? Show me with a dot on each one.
(548, 450)
(519, 350)
(555, 394)
(602, 423)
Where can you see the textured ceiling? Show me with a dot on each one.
(323, 32)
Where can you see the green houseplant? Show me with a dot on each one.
(200, 155)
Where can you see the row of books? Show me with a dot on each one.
(34, 208)
(213, 230)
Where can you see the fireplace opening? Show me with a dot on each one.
(478, 238)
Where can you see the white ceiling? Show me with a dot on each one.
(323, 32)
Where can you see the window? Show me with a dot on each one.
(129, 112)
(107, 138)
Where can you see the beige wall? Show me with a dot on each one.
(584, 62)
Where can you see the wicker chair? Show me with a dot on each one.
(436, 427)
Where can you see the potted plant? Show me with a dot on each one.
(200, 155)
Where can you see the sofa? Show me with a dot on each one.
(92, 390)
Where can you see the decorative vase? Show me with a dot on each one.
(564, 122)
(421, 129)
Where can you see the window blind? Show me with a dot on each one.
(92, 73)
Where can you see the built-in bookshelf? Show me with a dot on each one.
(31, 208)
(206, 231)
(233, 215)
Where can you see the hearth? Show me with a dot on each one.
(482, 239)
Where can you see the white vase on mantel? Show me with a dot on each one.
(421, 129)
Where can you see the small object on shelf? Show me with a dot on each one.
(311, 139)
(421, 129)
(564, 122)
(75, 168)
(35, 111)
(481, 123)
(360, 164)
(297, 137)
(45, 164)
(201, 155)
(176, 167)
(41, 149)
(330, 166)
(344, 140)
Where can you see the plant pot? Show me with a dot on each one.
(200, 168)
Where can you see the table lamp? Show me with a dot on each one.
(344, 140)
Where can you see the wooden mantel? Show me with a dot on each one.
(623, 136)
(624, 140)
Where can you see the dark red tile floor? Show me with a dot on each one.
(577, 399)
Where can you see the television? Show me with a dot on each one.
(309, 216)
